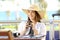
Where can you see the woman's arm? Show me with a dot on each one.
(35, 31)
(23, 32)
(21, 28)
(43, 31)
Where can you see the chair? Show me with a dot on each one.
(6, 33)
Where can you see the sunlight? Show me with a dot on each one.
(18, 4)
(52, 5)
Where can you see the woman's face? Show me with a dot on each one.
(31, 15)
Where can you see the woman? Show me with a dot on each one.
(33, 26)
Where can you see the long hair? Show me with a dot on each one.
(37, 18)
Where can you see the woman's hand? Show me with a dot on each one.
(35, 31)
(24, 31)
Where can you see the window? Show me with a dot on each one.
(11, 10)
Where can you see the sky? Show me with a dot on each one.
(15, 7)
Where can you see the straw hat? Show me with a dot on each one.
(34, 8)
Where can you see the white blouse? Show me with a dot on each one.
(39, 26)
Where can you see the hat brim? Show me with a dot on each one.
(41, 13)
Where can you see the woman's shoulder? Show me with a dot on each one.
(22, 23)
(40, 23)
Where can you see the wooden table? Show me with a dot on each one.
(22, 39)
(26, 39)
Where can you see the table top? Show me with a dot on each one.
(22, 38)
(26, 38)
(17, 38)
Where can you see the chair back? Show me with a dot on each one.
(4, 34)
